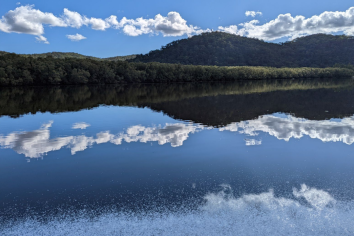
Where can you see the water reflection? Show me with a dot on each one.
(80, 125)
(285, 128)
(36, 143)
(135, 175)
(253, 142)
(212, 104)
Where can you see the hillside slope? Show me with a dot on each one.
(222, 49)
(62, 55)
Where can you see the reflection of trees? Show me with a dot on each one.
(223, 110)
(214, 104)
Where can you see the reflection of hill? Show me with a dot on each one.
(222, 110)
(211, 104)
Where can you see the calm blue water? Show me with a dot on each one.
(255, 163)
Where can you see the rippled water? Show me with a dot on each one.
(246, 158)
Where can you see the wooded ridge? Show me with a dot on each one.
(18, 70)
(222, 49)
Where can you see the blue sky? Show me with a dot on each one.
(19, 29)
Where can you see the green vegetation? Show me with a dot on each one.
(63, 55)
(120, 58)
(18, 70)
(3, 53)
(60, 55)
(236, 57)
(222, 49)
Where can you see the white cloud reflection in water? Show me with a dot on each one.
(80, 125)
(285, 128)
(35, 144)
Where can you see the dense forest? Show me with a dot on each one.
(19, 70)
(214, 104)
(223, 49)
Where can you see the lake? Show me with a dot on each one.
(241, 158)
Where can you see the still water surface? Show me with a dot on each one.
(247, 158)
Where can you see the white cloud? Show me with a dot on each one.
(27, 20)
(232, 29)
(253, 13)
(76, 20)
(42, 39)
(75, 37)
(73, 19)
(80, 125)
(292, 127)
(285, 25)
(171, 25)
(97, 24)
(131, 30)
(37, 143)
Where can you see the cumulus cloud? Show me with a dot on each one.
(253, 13)
(35, 144)
(27, 20)
(76, 20)
(292, 127)
(75, 37)
(232, 29)
(171, 25)
(286, 25)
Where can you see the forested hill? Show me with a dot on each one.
(63, 55)
(222, 49)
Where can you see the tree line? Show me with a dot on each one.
(18, 70)
(210, 103)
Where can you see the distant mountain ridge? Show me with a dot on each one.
(223, 49)
(62, 55)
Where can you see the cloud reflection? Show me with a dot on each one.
(253, 142)
(37, 143)
(285, 128)
(80, 125)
